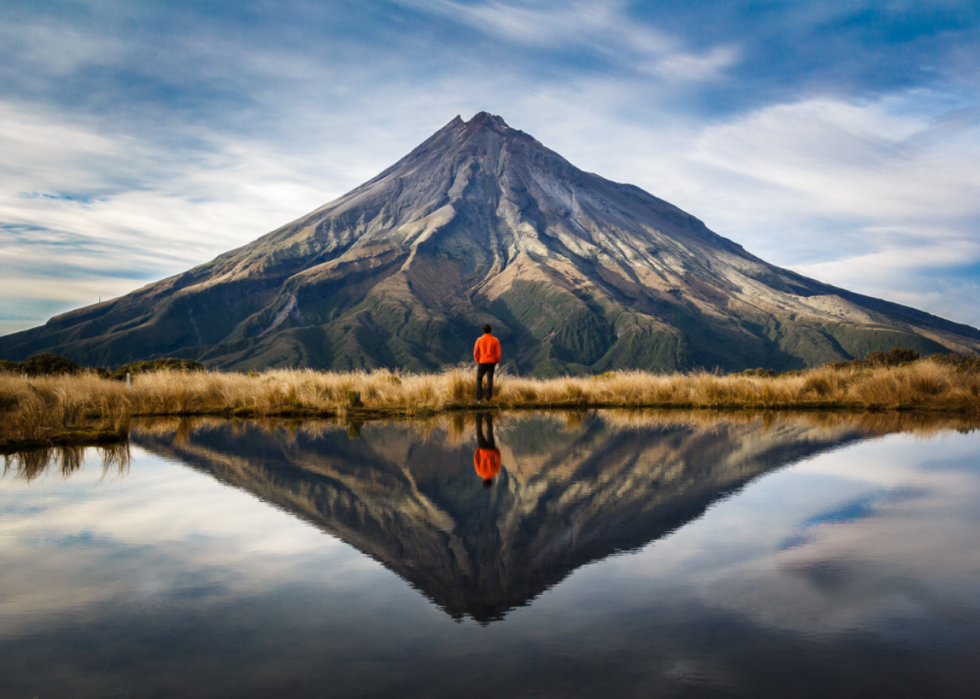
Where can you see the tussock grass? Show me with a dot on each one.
(35, 408)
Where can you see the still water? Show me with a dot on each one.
(601, 554)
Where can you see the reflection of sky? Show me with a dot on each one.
(876, 530)
(144, 535)
(166, 567)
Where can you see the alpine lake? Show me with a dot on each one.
(506, 554)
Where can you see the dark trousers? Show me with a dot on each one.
(481, 371)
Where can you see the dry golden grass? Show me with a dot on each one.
(34, 408)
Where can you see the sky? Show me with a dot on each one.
(840, 139)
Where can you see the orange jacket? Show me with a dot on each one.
(487, 350)
(486, 462)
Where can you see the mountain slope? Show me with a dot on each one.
(481, 223)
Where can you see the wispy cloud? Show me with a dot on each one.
(857, 158)
(552, 25)
(605, 29)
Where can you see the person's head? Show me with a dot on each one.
(487, 329)
(487, 482)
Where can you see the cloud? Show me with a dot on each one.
(878, 267)
(859, 159)
(56, 48)
(552, 25)
(604, 30)
(690, 67)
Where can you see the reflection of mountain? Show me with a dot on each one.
(563, 498)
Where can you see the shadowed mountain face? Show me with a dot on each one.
(415, 500)
(481, 223)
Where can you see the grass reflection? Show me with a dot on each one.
(32, 464)
(458, 427)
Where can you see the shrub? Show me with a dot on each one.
(169, 363)
(957, 361)
(760, 372)
(11, 367)
(49, 364)
(896, 356)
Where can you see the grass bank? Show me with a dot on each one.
(86, 406)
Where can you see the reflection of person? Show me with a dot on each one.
(487, 354)
(486, 458)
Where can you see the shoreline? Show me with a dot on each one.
(101, 435)
(70, 437)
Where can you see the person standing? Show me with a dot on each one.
(487, 354)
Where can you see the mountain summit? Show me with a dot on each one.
(479, 224)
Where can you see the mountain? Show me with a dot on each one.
(482, 223)
(409, 497)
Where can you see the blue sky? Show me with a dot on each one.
(840, 139)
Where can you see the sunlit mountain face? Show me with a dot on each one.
(479, 224)
(416, 500)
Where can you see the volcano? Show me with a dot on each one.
(479, 224)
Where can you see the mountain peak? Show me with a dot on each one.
(489, 121)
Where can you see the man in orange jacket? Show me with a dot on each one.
(487, 354)
(486, 458)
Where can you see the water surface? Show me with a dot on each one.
(543, 555)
